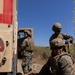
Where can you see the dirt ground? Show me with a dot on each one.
(36, 66)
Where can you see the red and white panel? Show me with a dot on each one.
(6, 11)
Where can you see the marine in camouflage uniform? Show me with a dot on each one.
(27, 49)
(57, 29)
(60, 62)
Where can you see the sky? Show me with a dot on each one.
(42, 14)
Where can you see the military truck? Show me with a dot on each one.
(8, 37)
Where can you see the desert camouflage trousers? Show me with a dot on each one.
(27, 62)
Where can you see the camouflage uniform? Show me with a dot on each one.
(58, 64)
(27, 47)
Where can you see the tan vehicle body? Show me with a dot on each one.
(8, 34)
(8, 50)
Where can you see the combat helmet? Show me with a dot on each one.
(57, 42)
(28, 32)
(57, 27)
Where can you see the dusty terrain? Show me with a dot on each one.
(37, 64)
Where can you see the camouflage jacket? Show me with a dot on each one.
(58, 65)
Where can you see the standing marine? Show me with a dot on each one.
(27, 49)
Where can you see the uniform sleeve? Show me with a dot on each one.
(65, 64)
(68, 38)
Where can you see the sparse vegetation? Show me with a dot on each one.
(43, 52)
